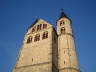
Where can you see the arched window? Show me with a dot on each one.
(44, 26)
(37, 37)
(29, 39)
(62, 22)
(38, 27)
(45, 35)
(33, 29)
(62, 30)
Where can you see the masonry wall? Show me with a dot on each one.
(67, 59)
(54, 52)
(36, 56)
(35, 68)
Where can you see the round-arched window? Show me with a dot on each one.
(29, 39)
(62, 30)
(45, 35)
(62, 22)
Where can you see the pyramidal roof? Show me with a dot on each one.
(62, 15)
(33, 23)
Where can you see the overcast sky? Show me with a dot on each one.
(17, 15)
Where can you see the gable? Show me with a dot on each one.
(39, 24)
(38, 21)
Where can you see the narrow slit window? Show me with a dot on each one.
(64, 62)
(64, 51)
(32, 59)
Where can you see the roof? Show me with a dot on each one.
(33, 23)
(63, 15)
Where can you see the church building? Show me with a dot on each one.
(46, 49)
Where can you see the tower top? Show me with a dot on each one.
(62, 14)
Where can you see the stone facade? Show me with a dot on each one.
(46, 50)
(67, 59)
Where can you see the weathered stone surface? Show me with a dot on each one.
(56, 53)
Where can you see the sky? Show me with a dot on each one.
(17, 15)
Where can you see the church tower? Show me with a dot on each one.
(37, 49)
(67, 59)
(46, 50)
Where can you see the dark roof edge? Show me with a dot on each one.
(33, 23)
(63, 15)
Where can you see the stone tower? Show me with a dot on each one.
(67, 59)
(36, 52)
(46, 50)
